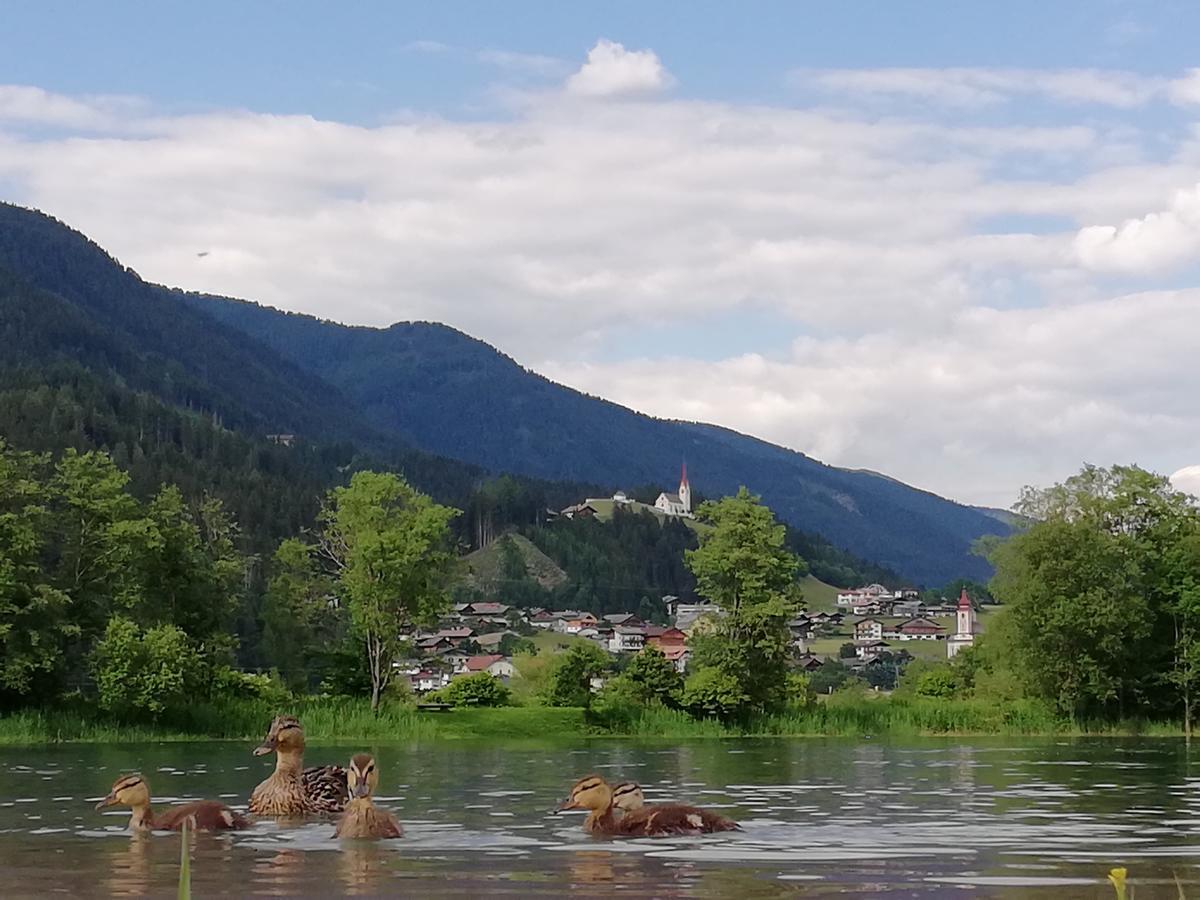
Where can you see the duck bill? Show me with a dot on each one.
(267, 746)
(565, 805)
(362, 789)
(110, 800)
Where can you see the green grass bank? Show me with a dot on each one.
(344, 720)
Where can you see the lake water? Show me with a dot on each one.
(823, 817)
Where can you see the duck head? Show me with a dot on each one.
(285, 735)
(362, 777)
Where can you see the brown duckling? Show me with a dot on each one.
(201, 815)
(679, 819)
(362, 819)
(293, 790)
(595, 795)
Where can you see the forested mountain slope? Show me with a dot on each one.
(451, 394)
(442, 406)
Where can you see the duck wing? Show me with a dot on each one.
(650, 821)
(325, 788)
(203, 815)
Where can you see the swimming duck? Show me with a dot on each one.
(293, 790)
(201, 815)
(362, 819)
(594, 794)
(680, 819)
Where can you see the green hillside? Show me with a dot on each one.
(487, 566)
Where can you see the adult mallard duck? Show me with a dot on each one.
(594, 794)
(362, 819)
(201, 815)
(293, 790)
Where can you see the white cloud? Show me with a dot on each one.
(950, 341)
(1187, 480)
(1153, 243)
(27, 104)
(1186, 89)
(983, 86)
(612, 71)
(995, 400)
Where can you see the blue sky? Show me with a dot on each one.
(361, 62)
(955, 242)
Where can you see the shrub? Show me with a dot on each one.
(477, 689)
(711, 692)
(146, 671)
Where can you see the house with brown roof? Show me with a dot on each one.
(495, 665)
(920, 629)
(663, 637)
(678, 655)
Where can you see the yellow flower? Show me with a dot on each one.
(1117, 877)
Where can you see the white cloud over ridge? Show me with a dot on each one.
(940, 335)
(613, 71)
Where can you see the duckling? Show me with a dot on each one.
(293, 790)
(595, 795)
(666, 819)
(362, 819)
(591, 792)
(202, 815)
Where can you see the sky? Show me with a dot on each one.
(955, 243)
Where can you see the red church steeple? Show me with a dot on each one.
(683, 482)
(964, 602)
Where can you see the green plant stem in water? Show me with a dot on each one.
(185, 865)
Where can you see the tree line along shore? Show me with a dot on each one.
(117, 621)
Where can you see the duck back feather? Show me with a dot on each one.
(663, 820)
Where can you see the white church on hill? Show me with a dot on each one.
(677, 504)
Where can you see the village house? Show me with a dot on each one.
(627, 640)
(484, 609)
(579, 511)
(493, 639)
(868, 649)
(579, 622)
(801, 628)
(626, 619)
(868, 630)
(920, 629)
(808, 663)
(426, 680)
(495, 665)
(872, 593)
(455, 659)
(434, 644)
(678, 655)
(457, 635)
(662, 638)
(686, 614)
(545, 620)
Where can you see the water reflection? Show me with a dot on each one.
(129, 869)
(933, 818)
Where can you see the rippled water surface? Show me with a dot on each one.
(822, 817)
